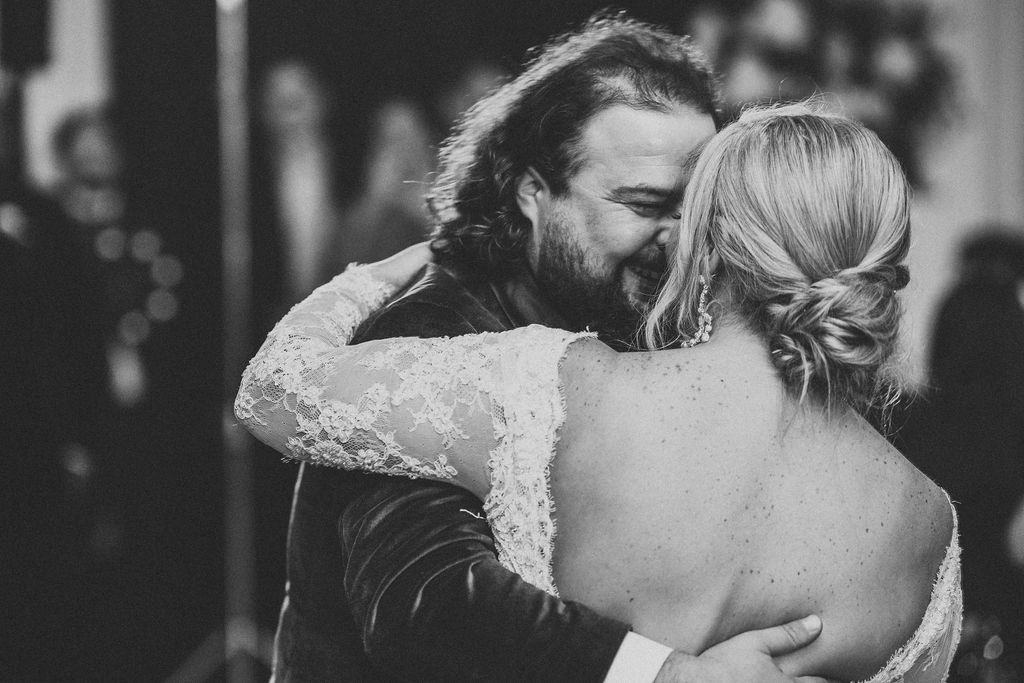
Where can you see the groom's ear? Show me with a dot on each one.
(532, 194)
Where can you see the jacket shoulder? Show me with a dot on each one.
(439, 303)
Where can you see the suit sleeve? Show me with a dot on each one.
(425, 584)
(434, 604)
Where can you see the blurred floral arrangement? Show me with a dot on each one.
(878, 59)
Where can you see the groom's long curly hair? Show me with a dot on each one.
(537, 120)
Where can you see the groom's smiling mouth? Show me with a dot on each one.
(645, 281)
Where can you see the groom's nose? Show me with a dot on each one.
(661, 237)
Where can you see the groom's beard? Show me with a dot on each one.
(589, 299)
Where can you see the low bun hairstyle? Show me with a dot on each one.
(809, 213)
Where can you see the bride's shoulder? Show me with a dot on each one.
(901, 527)
(920, 521)
(927, 517)
(916, 509)
(922, 507)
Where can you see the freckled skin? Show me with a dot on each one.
(755, 511)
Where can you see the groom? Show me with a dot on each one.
(553, 205)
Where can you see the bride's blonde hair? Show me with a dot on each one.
(809, 214)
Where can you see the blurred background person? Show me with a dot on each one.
(968, 434)
(56, 556)
(300, 157)
(90, 163)
(104, 220)
(471, 81)
(389, 213)
(113, 269)
(129, 259)
(61, 541)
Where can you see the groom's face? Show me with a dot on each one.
(598, 248)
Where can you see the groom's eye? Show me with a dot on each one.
(646, 210)
(654, 210)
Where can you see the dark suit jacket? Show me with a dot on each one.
(394, 579)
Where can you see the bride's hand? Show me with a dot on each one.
(397, 270)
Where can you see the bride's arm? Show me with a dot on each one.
(289, 357)
(433, 408)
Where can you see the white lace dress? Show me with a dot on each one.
(429, 407)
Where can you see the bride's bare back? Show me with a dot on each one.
(696, 501)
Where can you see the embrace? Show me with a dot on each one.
(653, 332)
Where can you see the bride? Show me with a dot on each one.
(702, 489)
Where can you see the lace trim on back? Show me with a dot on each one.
(519, 506)
(930, 650)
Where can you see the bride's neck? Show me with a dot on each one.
(733, 335)
(731, 330)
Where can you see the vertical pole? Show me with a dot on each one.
(241, 631)
(12, 130)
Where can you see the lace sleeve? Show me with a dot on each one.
(292, 356)
(480, 410)
(434, 408)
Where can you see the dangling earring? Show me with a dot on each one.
(703, 333)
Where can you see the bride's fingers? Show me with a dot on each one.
(401, 267)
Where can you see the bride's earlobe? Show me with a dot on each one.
(713, 261)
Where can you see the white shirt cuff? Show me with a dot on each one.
(638, 660)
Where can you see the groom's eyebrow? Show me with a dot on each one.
(631, 193)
